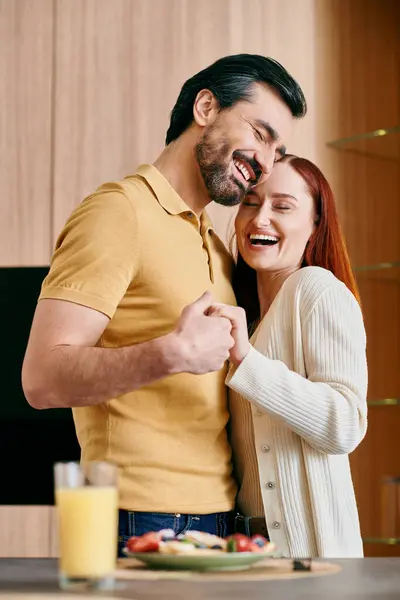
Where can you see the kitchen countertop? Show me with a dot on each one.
(360, 579)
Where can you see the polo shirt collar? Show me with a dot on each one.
(166, 195)
(163, 190)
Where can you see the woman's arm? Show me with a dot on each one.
(328, 409)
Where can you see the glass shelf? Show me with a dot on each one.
(385, 271)
(380, 143)
(386, 541)
(384, 402)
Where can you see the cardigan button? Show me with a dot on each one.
(270, 485)
(265, 448)
(276, 525)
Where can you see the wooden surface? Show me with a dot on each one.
(360, 579)
(26, 55)
(25, 531)
(273, 570)
(50, 596)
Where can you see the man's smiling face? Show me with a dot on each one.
(239, 148)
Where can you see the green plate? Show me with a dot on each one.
(223, 561)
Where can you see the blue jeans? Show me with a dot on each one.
(138, 523)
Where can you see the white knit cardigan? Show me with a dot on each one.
(298, 408)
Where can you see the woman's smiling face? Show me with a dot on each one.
(275, 221)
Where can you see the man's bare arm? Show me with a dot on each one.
(63, 368)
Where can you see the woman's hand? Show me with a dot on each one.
(237, 317)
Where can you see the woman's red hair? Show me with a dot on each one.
(326, 247)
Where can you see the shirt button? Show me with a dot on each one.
(270, 485)
(265, 448)
(276, 525)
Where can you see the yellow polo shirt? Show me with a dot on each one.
(134, 251)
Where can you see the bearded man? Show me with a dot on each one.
(121, 333)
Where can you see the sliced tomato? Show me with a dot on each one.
(238, 543)
(149, 542)
(131, 542)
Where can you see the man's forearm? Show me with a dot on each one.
(73, 376)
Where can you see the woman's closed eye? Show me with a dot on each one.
(283, 207)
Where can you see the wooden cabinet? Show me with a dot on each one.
(26, 532)
(365, 99)
(53, 546)
(88, 87)
(26, 88)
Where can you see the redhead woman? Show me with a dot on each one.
(298, 386)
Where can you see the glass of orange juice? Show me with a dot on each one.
(87, 507)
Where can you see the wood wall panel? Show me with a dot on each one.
(359, 92)
(26, 62)
(120, 67)
(376, 459)
(25, 531)
(54, 551)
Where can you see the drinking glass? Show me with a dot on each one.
(87, 509)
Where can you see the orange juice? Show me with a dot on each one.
(88, 525)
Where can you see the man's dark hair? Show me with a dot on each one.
(230, 79)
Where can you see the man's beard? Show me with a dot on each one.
(215, 168)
